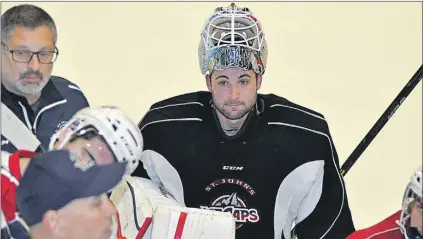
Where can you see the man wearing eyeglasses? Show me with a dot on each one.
(42, 102)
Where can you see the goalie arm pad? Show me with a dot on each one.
(146, 210)
(135, 200)
(191, 223)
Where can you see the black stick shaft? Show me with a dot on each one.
(377, 127)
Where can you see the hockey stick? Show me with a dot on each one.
(16, 132)
(380, 123)
(378, 126)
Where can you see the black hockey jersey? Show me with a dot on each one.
(280, 169)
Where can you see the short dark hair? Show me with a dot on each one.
(28, 16)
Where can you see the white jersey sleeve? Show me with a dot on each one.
(159, 170)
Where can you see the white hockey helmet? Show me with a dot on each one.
(412, 192)
(232, 37)
(118, 131)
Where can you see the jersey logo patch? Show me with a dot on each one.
(234, 202)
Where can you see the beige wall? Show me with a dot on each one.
(345, 60)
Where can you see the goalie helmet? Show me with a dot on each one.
(117, 130)
(412, 193)
(232, 37)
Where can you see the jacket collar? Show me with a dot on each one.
(49, 95)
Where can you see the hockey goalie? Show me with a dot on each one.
(148, 210)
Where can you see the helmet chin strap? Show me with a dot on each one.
(401, 224)
(408, 232)
(413, 233)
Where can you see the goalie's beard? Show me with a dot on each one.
(114, 228)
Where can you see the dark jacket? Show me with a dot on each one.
(60, 100)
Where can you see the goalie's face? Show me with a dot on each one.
(234, 91)
(416, 217)
(94, 149)
(90, 146)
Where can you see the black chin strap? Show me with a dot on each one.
(413, 233)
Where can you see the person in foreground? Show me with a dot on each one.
(59, 189)
(404, 224)
(269, 162)
(100, 136)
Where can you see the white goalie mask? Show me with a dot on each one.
(232, 37)
(412, 193)
(119, 133)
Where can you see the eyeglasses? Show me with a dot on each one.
(25, 56)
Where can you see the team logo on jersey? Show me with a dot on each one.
(233, 202)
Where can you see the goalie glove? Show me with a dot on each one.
(148, 211)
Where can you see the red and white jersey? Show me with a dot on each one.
(386, 229)
(10, 177)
